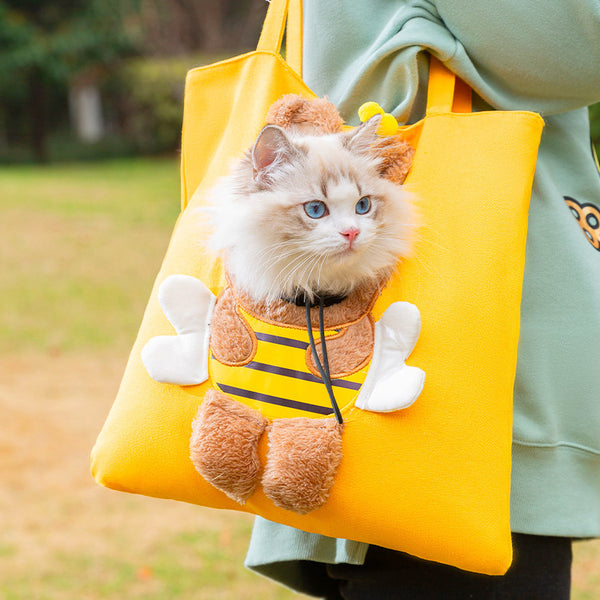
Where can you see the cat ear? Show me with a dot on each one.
(271, 148)
(362, 137)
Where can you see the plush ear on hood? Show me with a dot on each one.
(271, 149)
(394, 154)
(395, 157)
(314, 116)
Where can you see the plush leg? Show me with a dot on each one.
(304, 455)
(224, 445)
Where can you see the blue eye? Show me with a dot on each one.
(363, 206)
(316, 209)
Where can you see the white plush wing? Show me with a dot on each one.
(182, 358)
(402, 322)
(391, 384)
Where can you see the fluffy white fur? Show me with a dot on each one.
(273, 249)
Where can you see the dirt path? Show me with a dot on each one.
(51, 410)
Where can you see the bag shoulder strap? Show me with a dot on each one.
(271, 37)
(445, 91)
(294, 36)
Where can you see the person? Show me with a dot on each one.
(540, 56)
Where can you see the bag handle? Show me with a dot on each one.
(271, 36)
(445, 91)
(294, 36)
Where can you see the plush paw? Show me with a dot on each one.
(181, 359)
(224, 445)
(303, 459)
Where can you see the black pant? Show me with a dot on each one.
(541, 570)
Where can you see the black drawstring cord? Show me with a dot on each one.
(323, 368)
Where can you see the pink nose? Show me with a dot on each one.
(350, 234)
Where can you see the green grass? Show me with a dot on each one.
(82, 244)
(183, 565)
(128, 191)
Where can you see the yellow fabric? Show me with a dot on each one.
(277, 381)
(432, 480)
(225, 104)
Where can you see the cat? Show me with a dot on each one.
(310, 215)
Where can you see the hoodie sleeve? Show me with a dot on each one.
(538, 55)
(543, 55)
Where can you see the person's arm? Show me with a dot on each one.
(538, 54)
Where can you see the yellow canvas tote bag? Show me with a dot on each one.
(432, 480)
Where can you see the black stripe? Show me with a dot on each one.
(349, 385)
(282, 341)
(321, 410)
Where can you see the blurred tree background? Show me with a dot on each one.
(98, 78)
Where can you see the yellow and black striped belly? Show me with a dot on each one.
(277, 381)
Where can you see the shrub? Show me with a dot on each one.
(148, 100)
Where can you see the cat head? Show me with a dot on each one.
(310, 214)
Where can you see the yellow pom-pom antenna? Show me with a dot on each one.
(388, 124)
(368, 110)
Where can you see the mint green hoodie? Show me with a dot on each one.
(538, 55)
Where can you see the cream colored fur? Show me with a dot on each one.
(273, 249)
